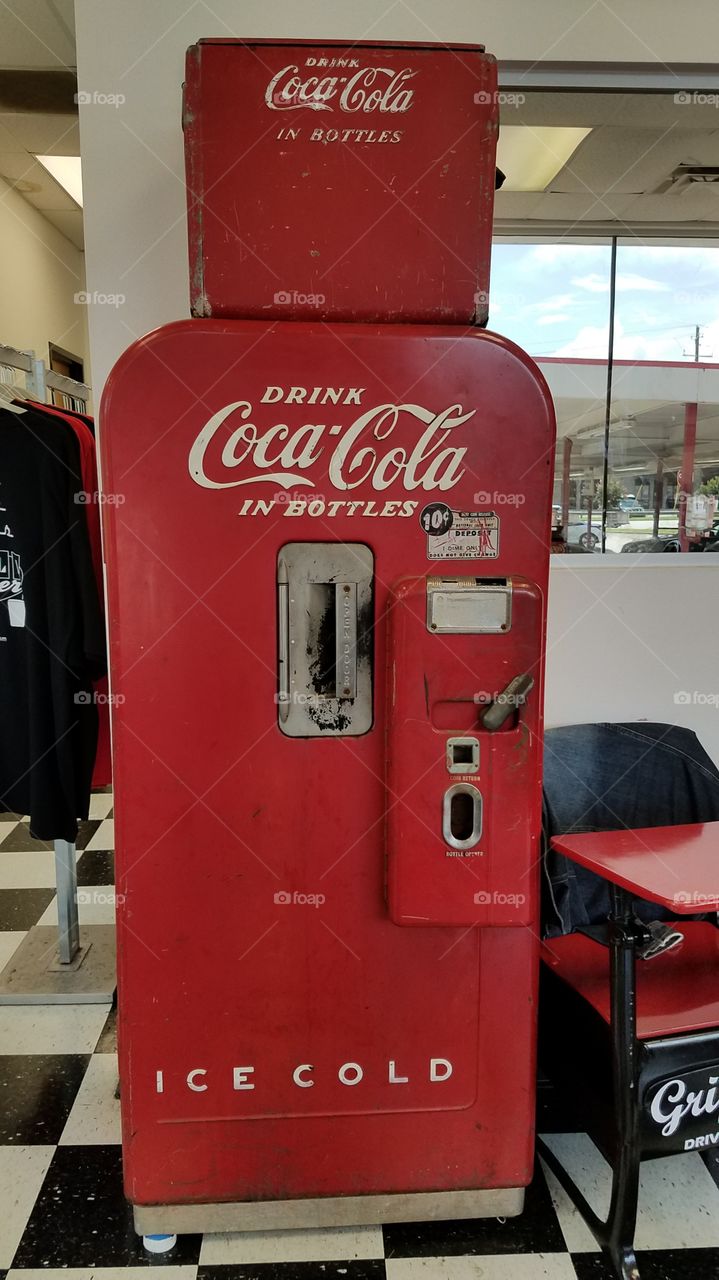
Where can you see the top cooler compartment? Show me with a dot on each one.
(351, 182)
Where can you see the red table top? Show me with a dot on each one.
(675, 866)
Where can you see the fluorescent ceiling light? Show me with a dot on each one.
(531, 155)
(621, 424)
(67, 171)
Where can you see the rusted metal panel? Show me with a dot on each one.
(341, 181)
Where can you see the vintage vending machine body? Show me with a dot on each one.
(327, 583)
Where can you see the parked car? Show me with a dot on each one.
(653, 544)
(670, 542)
(631, 506)
(576, 534)
(579, 534)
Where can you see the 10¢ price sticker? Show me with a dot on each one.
(460, 535)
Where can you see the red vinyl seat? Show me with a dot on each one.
(677, 992)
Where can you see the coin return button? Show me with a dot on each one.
(463, 755)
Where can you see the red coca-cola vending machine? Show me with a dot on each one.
(327, 587)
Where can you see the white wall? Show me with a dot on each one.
(635, 641)
(624, 638)
(135, 232)
(41, 273)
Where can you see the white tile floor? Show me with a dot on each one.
(9, 943)
(50, 1028)
(104, 837)
(22, 1170)
(678, 1207)
(100, 806)
(535, 1266)
(95, 905)
(27, 871)
(63, 1213)
(95, 1115)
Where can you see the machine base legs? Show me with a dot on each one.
(159, 1244)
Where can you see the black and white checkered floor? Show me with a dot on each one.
(61, 1202)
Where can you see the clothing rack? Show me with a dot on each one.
(39, 379)
(70, 965)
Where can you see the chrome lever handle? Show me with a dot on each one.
(515, 695)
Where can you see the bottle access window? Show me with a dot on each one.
(325, 617)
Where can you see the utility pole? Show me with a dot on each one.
(698, 354)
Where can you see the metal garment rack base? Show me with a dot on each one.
(67, 965)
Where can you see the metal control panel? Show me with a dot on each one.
(464, 722)
(462, 606)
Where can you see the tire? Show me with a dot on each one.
(588, 541)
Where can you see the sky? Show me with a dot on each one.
(554, 300)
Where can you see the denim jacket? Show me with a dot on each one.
(599, 777)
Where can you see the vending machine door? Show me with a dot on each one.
(327, 552)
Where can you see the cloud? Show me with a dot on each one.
(556, 303)
(553, 319)
(590, 343)
(685, 259)
(592, 283)
(627, 282)
(550, 254)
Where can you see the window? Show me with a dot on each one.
(659, 489)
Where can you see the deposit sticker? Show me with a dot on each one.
(460, 535)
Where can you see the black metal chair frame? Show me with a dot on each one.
(629, 1058)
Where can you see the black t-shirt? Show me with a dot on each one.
(52, 641)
